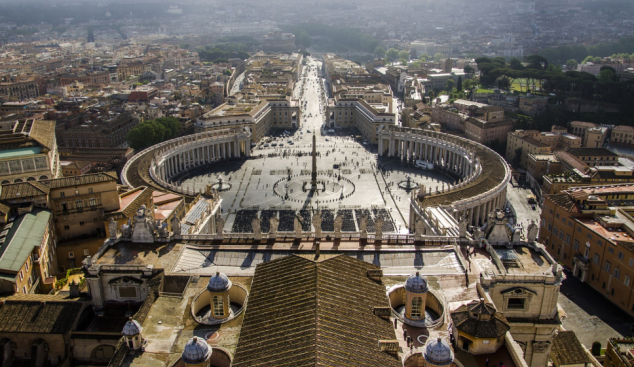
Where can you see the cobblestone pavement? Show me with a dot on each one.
(253, 180)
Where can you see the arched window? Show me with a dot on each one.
(417, 307)
(218, 307)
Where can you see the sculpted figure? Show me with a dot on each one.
(317, 223)
(220, 224)
(378, 224)
(257, 231)
(338, 225)
(273, 223)
(297, 225)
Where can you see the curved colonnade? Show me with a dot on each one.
(484, 173)
(167, 160)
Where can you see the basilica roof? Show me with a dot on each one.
(308, 313)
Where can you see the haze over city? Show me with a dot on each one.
(317, 183)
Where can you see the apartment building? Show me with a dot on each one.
(27, 256)
(110, 132)
(485, 132)
(535, 142)
(77, 203)
(532, 105)
(258, 116)
(622, 135)
(28, 150)
(357, 113)
(592, 135)
(590, 230)
(19, 90)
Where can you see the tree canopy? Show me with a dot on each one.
(151, 132)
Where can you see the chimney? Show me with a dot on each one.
(389, 346)
(375, 274)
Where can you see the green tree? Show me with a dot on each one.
(597, 60)
(606, 75)
(402, 61)
(572, 64)
(392, 54)
(151, 132)
(516, 64)
(403, 55)
(415, 65)
(424, 57)
(459, 83)
(438, 56)
(303, 39)
(469, 69)
(588, 59)
(450, 85)
(503, 82)
(379, 52)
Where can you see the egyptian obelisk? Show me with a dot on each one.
(313, 174)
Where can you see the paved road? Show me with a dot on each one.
(517, 197)
(237, 86)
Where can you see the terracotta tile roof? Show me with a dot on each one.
(56, 183)
(492, 328)
(306, 313)
(22, 190)
(567, 349)
(43, 131)
(38, 317)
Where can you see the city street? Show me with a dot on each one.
(517, 197)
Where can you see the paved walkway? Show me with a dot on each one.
(590, 315)
(243, 263)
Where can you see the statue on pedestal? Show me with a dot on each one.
(378, 234)
(112, 228)
(273, 223)
(126, 230)
(220, 224)
(176, 225)
(462, 226)
(419, 226)
(338, 225)
(257, 231)
(297, 226)
(317, 223)
(531, 234)
(363, 226)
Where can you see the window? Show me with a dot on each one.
(127, 292)
(92, 202)
(417, 307)
(620, 255)
(607, 266)
(596, 259)
(626, 280)
(21, 274)
(62, 195)
(589, 235)
(576, 245)
(66, 227)
(568, 240)
(76, 192)
(516, 303)
(79, 204)
(611, 250)
(86, 252)
(218, 306)
(81, 223)
(617, 273)
(71, 255)
(579, 229)
(599, 242)
(631, 262)
(90, 190)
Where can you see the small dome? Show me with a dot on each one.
(218, 283)
(416, 284)
(438, 352)
(131, 328)
(196, 351)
